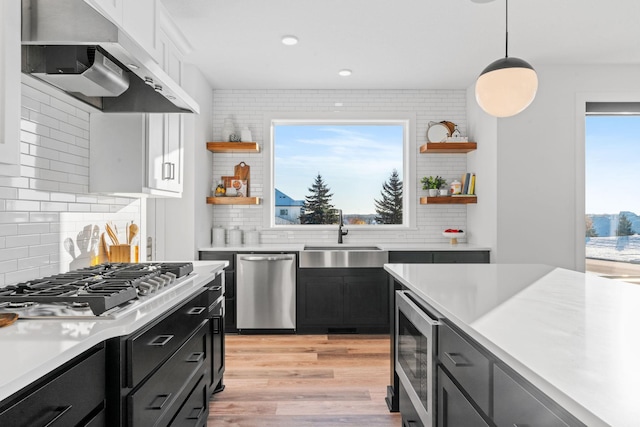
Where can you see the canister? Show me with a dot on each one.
(235, 236)
(251, 237)
(217, 236)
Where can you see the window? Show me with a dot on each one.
(357, 166)
(612, 210)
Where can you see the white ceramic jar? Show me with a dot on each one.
(235, 237)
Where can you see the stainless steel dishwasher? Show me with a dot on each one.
(266, 291)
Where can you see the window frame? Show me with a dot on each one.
(406, 119)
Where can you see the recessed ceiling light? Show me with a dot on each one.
(133, 66)
(289, 40)
(344, 73)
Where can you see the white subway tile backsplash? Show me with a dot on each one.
(49, 202)
(247, 108)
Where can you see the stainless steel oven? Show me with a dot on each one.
(416, 336)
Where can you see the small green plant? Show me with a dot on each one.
(432, 183)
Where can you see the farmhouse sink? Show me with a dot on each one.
(343, 257)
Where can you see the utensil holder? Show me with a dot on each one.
(120, 253)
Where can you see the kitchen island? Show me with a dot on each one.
(36, 347)
(571, 335)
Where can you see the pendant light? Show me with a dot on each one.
(508, 85)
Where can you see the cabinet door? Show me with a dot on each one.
(515, 406)
(452, 257)
(320, 301)
(140, 21)
(10, 87)
(111, 9)
(366, 299)
(454, 410)
(157, 169)
(172, 155)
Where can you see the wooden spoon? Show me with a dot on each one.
(133, 232)
(112, 235)
(7, 319)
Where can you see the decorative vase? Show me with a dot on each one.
(433, 192)
(245, 135)
(227, 129)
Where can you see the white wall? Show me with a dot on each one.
(187, 221)
(248, 107)
(540, 165)
(49, 202)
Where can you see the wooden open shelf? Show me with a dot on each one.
(448, 200)
(227, 147)
(233, 200)
(448, 147)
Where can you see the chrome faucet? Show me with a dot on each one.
(340, 224)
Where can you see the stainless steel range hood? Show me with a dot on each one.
(68, 44)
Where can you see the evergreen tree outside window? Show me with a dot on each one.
(317, 208)
(321, 166)
(389, 209)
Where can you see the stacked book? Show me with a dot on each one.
(468, 185)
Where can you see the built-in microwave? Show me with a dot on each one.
(416, 335)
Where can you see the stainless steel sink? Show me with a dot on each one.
(343, 257)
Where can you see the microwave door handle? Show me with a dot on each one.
(419, 310)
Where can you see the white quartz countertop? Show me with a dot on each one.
(572, 335)
(297, 247)
(34, 347)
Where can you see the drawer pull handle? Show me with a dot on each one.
(161, 340)
(195, 413)
(461, 361)
(60, 412)
(216, 288)
(195, 357)
(159, 401)
(216, 325)
(196, 311)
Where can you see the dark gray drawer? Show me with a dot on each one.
(468, 257)
(149, 348)
(162, 394)
(65, 400)
(514, 405)
(466, 364)
(195, 410)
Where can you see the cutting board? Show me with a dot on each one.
(7, 319)
(243, 171)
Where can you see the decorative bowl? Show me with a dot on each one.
(453, 236)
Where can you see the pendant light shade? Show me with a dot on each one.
(507, 86)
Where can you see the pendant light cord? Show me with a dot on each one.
(506, 28)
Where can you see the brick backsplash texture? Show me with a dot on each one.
(50, 202)
(248, 108)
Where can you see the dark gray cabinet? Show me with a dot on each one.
(229, 283)
(470, 367)
(410, 417)
(342, 300)
(454, 410)
(515, 406)
(439, 257)
(152, 373)
(73, 394)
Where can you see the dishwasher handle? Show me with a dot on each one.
(267, 258)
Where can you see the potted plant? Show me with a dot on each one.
(433, 184)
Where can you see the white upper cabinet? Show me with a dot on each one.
(137, 18)
(10, 87)
(131, 156)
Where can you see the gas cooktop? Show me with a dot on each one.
(96, 291)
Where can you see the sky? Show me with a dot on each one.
(612, 164)
(354, 161)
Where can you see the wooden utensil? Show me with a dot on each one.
(243, 171)
(7, 319)
(103, 250)
(112, 234)
(133, 232)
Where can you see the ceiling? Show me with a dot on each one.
(396, 44)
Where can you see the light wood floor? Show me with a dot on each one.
(304, 380)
